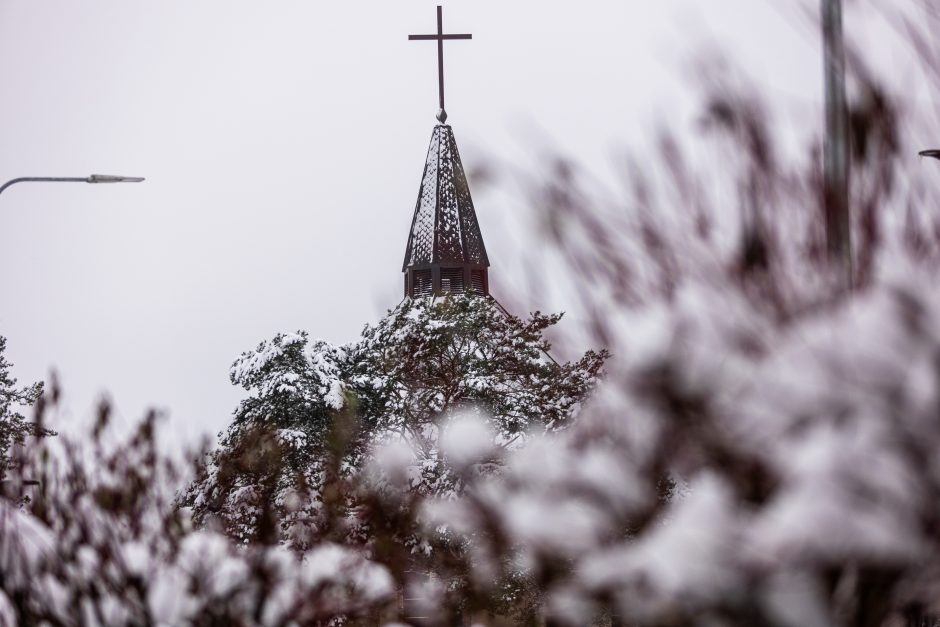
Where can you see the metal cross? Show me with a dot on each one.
(439, 38)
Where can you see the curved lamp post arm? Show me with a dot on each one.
(94, 178)
(930, 153)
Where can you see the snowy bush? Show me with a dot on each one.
(807, 471)
(99, 542)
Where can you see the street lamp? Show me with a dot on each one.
(94, 178)
(930, 153)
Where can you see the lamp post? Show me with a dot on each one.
(930, 153)
(94, 178)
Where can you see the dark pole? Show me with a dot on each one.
(836, 166)
(94, 178)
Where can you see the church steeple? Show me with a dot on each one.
(445, 250)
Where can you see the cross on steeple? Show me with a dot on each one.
(439, 38)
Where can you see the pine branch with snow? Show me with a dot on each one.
(14, 427)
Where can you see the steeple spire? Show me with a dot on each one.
(445, 251)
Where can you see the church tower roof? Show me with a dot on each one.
(444, 229)
(445, 251)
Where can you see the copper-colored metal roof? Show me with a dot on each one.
(445, 228)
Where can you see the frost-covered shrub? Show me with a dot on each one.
(99, 542)
(807, 471)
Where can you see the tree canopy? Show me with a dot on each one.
(314, 412)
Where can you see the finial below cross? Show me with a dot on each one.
(439, 38)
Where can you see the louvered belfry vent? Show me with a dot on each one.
(452, 280)
(445, 242)
(477, 282)
(423, 285)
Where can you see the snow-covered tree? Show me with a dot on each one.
(270, 464)
(14, 427)
(430, 360)
(315, 412)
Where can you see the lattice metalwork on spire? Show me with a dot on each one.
(445, 228)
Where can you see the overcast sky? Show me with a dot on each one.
(283, 143)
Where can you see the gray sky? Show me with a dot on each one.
(283, 143)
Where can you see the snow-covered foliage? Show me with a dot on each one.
(806, 456)
(270, 463)
(315, 412)
(99, 542)
(14, 427)
(430, 361)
